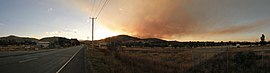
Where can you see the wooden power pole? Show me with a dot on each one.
(93, 19)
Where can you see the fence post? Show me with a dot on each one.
(227, 67)
(192, 60)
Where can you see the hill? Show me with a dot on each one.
(15, 40)
(129, 41)
(127, 38)
(120, 38)
(154, 40)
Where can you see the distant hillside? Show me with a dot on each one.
(120, 38)
(15, 40)
(12, 37)
(57, 41)
(127, 38)
(154, 40)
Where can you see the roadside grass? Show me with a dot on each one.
(102, 62)
(157, 60)
(238, 62)
(169, 60)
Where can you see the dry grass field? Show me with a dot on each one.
(182, 60)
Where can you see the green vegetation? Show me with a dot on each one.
(15, 40)
(15, 43)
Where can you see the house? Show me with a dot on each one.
(42, 44)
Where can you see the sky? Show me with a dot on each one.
(181, 20)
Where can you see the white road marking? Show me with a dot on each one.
(68, 60)
(27, 60)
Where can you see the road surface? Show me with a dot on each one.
(67, 60)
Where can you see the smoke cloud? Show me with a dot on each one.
(243, 27)
(167, 19)
(170, 18)
(161, 19)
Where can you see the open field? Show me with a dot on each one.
(183, 60)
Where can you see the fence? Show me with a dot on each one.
(231, 60)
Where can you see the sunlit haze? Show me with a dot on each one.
(181, 20)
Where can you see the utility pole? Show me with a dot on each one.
(93, 19)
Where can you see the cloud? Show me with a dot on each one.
(60, 33)
(50, 9)
(170, 18)
(242, 28)
(160, 19)
(67, 34)
(1, 24)
(83, 5)
(173, 18)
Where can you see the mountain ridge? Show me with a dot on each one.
(128, 38)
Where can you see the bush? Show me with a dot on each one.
(245, 59)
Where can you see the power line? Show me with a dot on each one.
(94, 1)
(98, 7)
(93, 18)
(105, 3)
(91, 7)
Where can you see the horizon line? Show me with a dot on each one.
(139, 38)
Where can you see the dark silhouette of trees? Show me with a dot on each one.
(74, 42)
(263, 42)
(113, 46)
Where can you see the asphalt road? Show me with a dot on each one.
(67, 60)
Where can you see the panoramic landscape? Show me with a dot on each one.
(134, 36)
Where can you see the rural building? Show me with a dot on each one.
(56, 42)
(42, 44)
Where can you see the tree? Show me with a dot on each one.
(263, 40)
